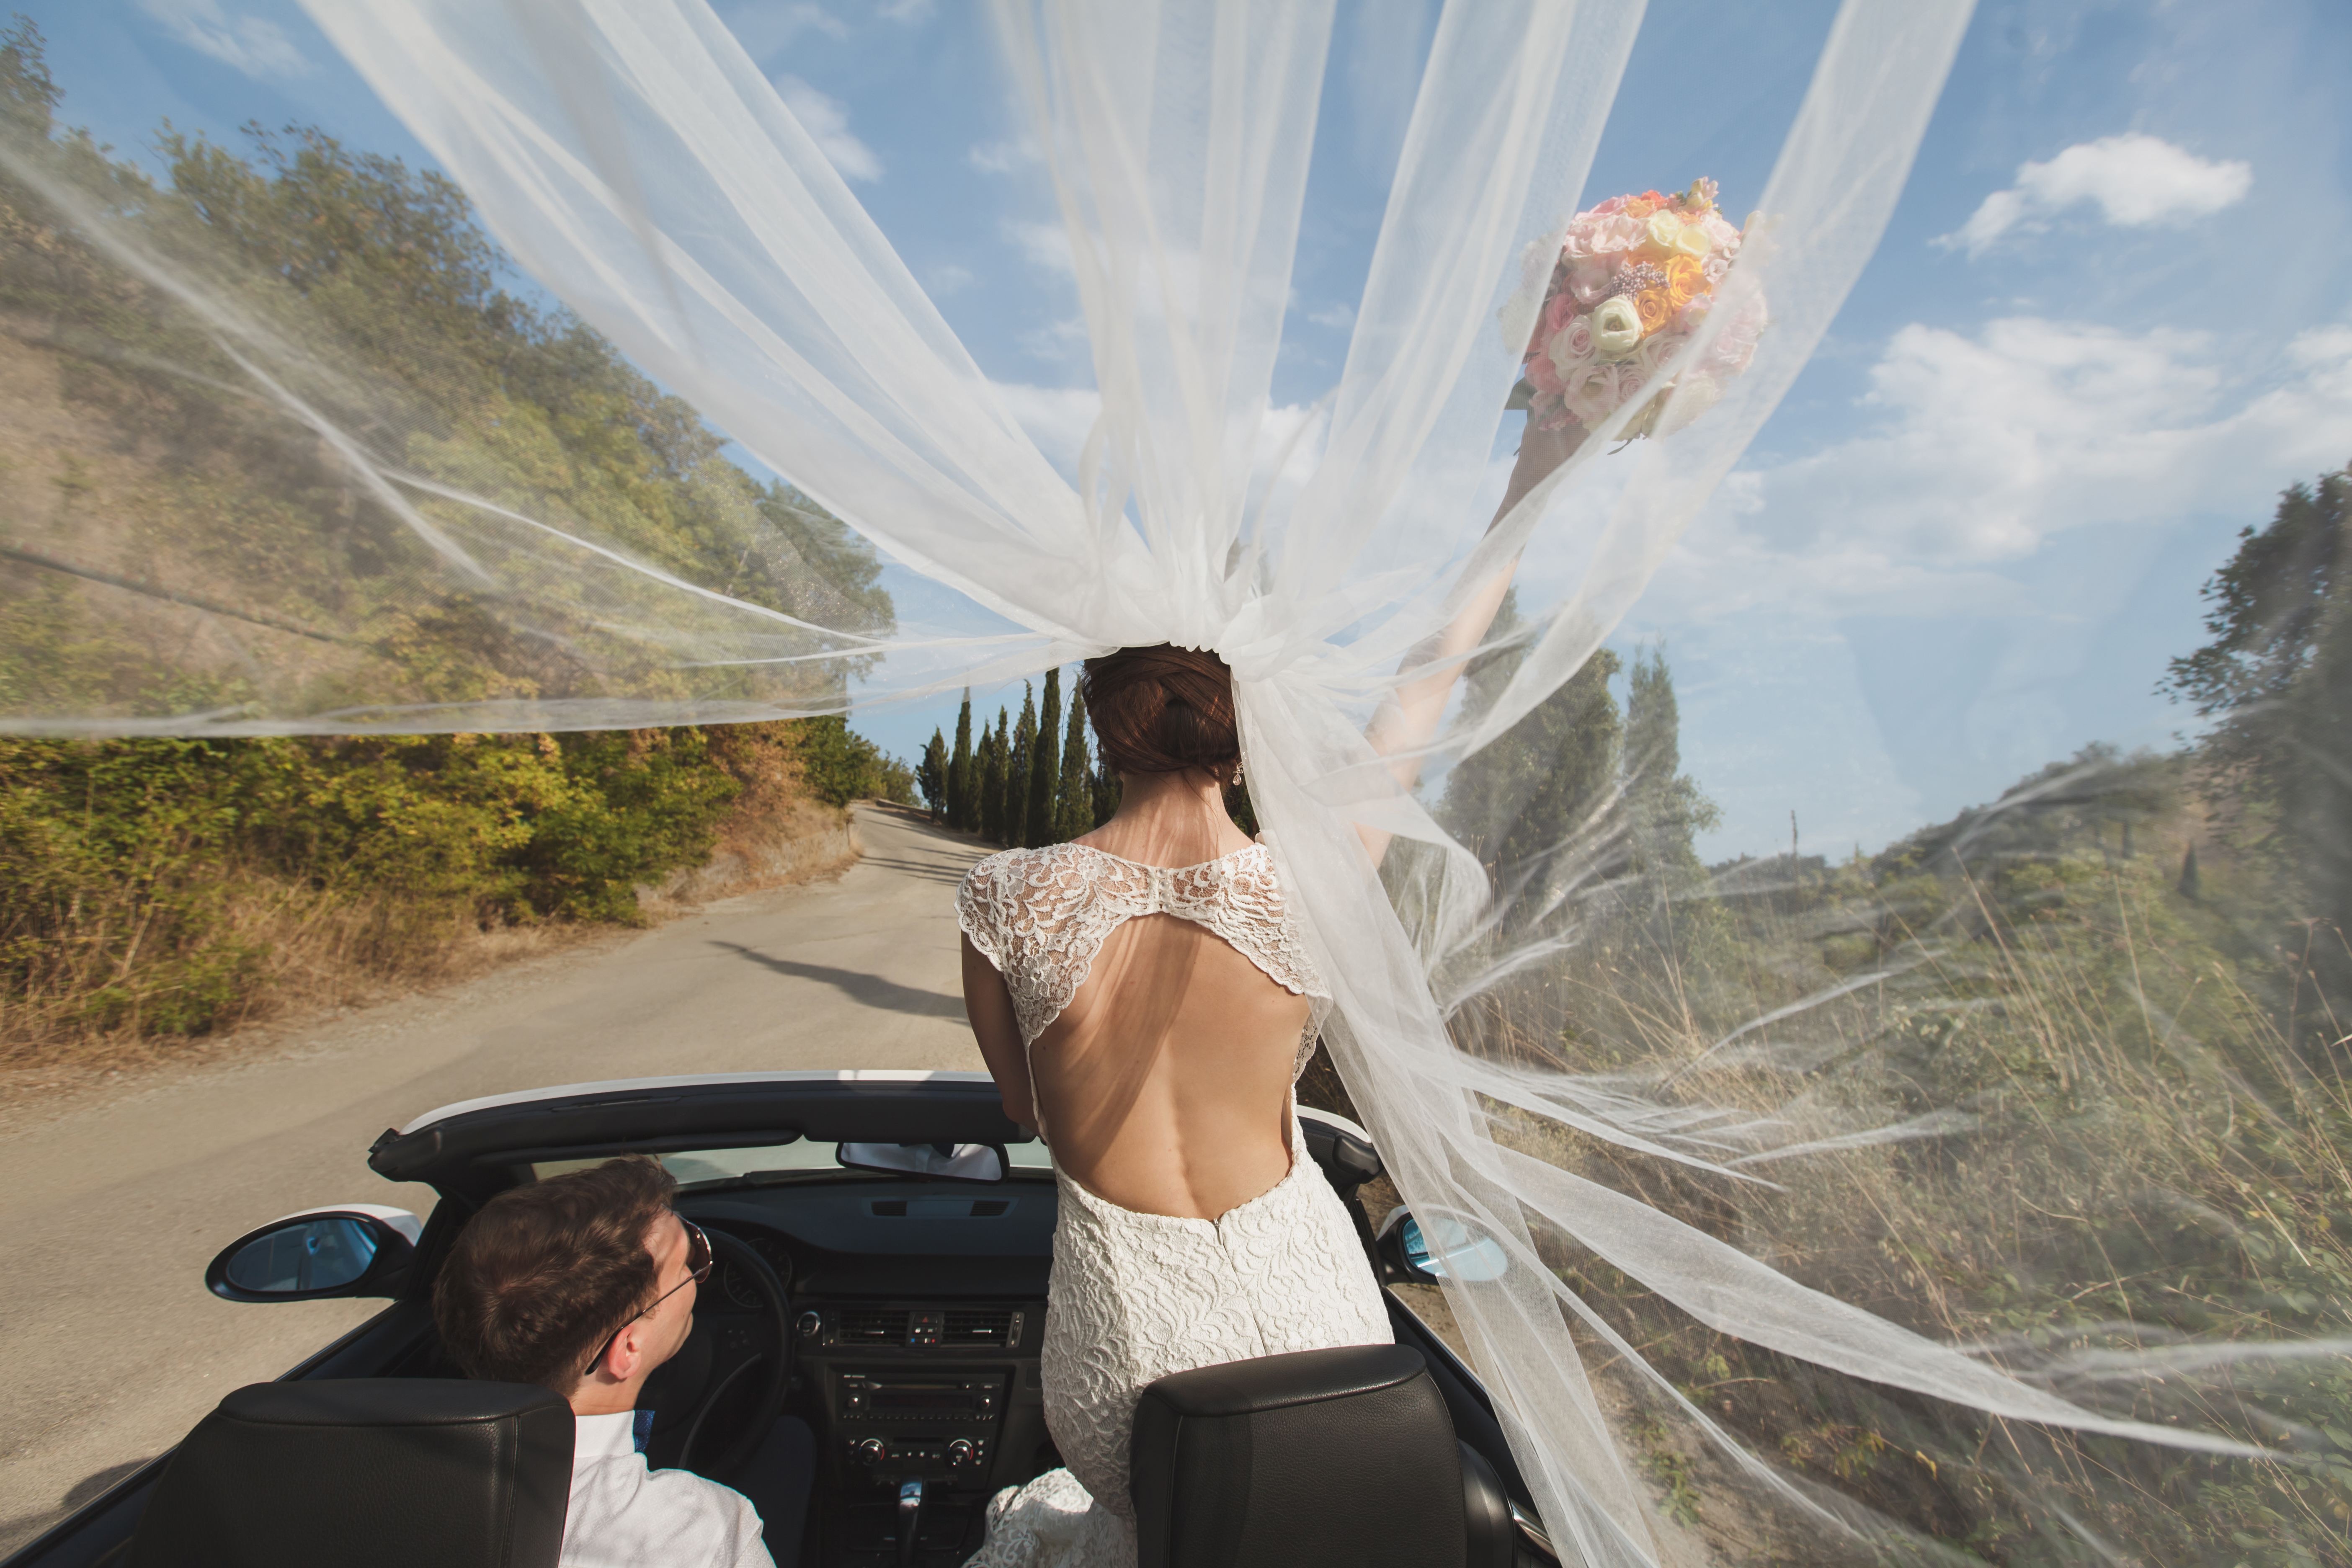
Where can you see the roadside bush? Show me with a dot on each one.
(171, 887)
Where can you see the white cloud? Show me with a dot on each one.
(2137, 181)
(908, 12)
(1339, 314)
(826, 121)
(1993, 443)
(1004, 157)
(1045, 246)
(948, 278)
(254, 45)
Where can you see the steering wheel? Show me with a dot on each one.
(707, 1373)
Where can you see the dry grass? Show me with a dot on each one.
(2149, 1166)
(307, 950)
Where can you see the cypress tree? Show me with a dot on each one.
(1045, 771)
(1103, 787)
(932, 775)
(992, 747)
(961, 782)
(1021, 762)
(1074, 806)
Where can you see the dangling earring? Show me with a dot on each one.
(1237, 772)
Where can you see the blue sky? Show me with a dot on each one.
(2107, 324)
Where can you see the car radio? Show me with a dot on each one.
(937, 1425)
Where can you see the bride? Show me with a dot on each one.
(1145, 1000)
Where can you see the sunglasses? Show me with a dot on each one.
(698, 1269)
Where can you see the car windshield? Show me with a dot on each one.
(705, 1167)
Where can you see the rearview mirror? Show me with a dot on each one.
(1446, 1248)
(317, 1256)
(955, 1162)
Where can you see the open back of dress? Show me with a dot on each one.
(1163, 1010)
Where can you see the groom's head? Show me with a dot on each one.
(577, 1281)
(1163, 709)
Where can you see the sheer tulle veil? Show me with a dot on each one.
(637, 165)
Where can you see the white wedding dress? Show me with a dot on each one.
(1135, 1297)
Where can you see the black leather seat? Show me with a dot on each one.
(1325, 1457)
(369, 1473)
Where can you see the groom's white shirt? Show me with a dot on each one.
(624, 1515)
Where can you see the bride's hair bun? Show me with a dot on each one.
(1163, 710)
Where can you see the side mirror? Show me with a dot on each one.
(955, 1162)
(1446, 1249)
(361, 1250)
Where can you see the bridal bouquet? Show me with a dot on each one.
(1634, 278)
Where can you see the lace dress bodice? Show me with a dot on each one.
(1040, 916)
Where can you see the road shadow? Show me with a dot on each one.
(25, 1526)
(921, 870)
(867, 990)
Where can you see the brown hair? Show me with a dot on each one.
(545, 1274)
(1163, 710)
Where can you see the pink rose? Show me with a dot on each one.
(1619, 233)
(1578, 241)
(1559, 310)
(1726, 237)
(1729, 354)
(1589, 280)
(1656, 350)
(1594, 392)
(1542, 375)
(1572, 342)
(1615, 204)
(1713, 269)
(1571, 345)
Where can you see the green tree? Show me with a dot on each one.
(840, 765)
(1045, 771)
(1020, 762)
(960, 782)
(1073, 801)
(931, 774)
(1533, 804)
(1102, 790)
(995, 767)
(385, 297)
(2278, 676)
(1668, 912)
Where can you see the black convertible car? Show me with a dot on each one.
(882, 1242)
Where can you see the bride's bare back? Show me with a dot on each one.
(1163, 1084)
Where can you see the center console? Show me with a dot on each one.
(939, 1402)
(940, 1426)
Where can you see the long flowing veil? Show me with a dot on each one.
(1690, 1185)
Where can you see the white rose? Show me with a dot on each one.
(1616, 327)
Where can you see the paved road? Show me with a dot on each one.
(110, 1212)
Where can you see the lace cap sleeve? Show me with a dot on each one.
(976, 906)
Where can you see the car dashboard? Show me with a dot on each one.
(918, 1314)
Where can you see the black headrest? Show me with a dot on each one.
(393, 1472)
(1338, 1455)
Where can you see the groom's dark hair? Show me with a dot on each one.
(542, 1277)
(1161, 710)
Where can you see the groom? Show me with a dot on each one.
(584, 1284)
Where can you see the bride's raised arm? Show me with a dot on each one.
(1408, 721)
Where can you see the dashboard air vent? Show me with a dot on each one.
(871, 1326)
(982, 1326)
